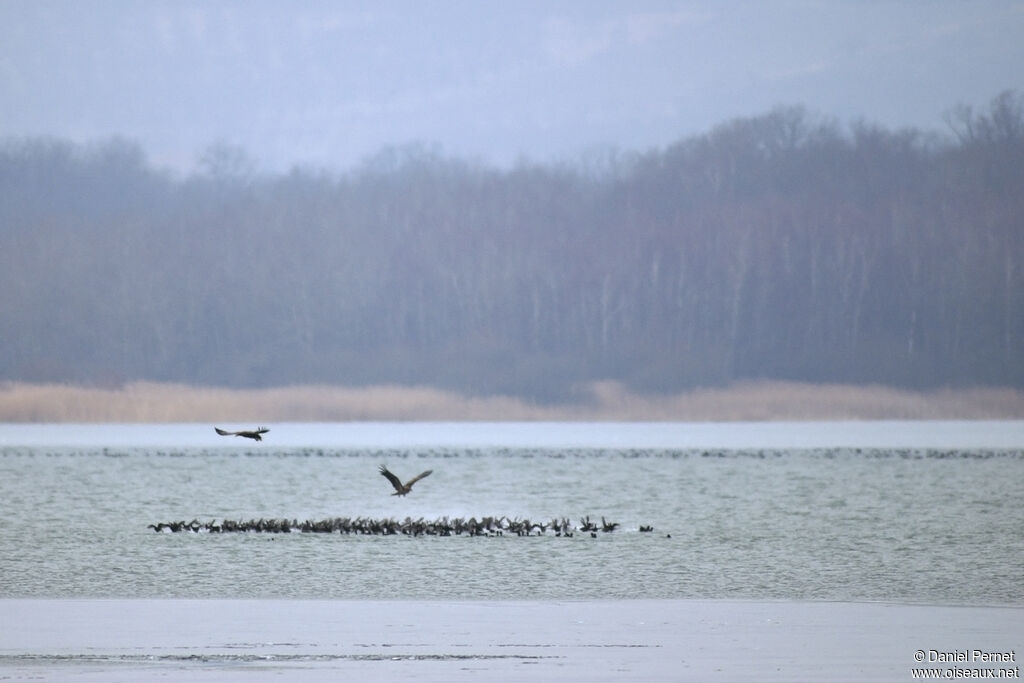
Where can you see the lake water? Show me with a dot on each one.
(913, 512)
(780, 551)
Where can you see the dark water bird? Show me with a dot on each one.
(400, 488)
(487, 527)
(256, 434)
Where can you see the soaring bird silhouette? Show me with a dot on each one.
(400, 488)
(256, 434)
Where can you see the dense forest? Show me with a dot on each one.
(782, 246)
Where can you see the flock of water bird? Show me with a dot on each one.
(485, 526)
(364, 526)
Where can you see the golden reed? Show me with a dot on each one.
(768, 400)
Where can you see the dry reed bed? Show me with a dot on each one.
(155, 402)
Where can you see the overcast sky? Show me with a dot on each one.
(325, 84)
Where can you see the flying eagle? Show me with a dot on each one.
(255, 434)
(400, 488)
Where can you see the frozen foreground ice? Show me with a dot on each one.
(651, 640)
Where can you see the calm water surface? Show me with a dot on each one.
(928, 512)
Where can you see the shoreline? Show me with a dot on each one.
(312, 640)
(767, 401)
(907, 436)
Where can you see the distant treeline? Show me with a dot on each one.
(777, 247)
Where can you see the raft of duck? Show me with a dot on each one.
(485, 526)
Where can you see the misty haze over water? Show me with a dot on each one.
(534, 200)
(776, 247)
(326, 84)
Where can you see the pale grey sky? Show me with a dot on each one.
(325, 84)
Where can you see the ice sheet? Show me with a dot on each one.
(674, 640)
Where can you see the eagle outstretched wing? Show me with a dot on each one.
(395, 481)
(256, 434)
(415, 479)
(400, 488)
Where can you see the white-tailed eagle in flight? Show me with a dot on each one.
(400, 488)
